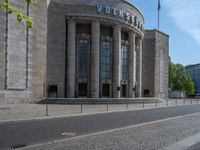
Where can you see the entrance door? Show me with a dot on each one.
(82, 91)
(106, 90)
(123, 90)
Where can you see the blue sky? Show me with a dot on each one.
(180, 19)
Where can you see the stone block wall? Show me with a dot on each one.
(148, 63)
(23, 54)
(2, 47)
(56, 48)
(155, 63)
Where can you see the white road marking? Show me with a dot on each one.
(185, 143)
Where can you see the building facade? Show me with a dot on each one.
(76, 49)
(194, 72)
(155, 64)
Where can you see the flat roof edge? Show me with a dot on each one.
(157, 31)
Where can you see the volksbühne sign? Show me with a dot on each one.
(119, 13)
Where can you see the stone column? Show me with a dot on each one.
(116, 61)
(95, 59)
(131, 60)
(139, 71)
(71, 58)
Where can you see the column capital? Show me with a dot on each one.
(131, 35)
(117, 26)
(71, 20)
(96, 21)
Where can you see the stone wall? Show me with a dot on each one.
(56, 48)
(161, 72)
(148, 67)
(37, 46)
(24, 51)
(16, 50)
(155, 63)
(2, 52)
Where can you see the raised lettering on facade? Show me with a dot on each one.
(133, 20)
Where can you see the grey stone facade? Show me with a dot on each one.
(23, 54)
(155, 64)
(35, 62)
(62, 56)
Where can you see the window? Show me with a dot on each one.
(105, 59)
(124, 62)
(83, 52)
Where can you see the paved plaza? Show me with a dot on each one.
(14, 112)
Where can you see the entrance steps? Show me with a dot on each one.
(100, 100)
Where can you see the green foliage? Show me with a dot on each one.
(189, 87)
(20, 16)
(178, 79)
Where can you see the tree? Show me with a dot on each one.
(20, 16)
(178, 79)
(190, 88)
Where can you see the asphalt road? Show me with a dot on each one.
(40, 131)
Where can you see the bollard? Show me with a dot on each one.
(143, 104)
(127, 105)
(107, 107)
(156, 104)
(47, 110)
(81, 108)
(191, 101)
(167, 102)
(176, 102)
(184, 101)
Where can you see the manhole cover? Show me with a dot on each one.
(15, 146)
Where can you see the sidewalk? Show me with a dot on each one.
(15, 112)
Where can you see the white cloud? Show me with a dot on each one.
(186, 14)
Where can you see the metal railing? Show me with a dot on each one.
(132, 106)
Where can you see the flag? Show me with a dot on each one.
(159, 6)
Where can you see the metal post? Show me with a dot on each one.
(107, 107)
(156, 103)
(143, 104)
(81, 108)
(176, 102)
(167, 102)
(47, 110)
(184, 101)
(127, 105)
(191, 101)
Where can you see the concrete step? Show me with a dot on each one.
(99, 100)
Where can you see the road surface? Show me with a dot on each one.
(40, 131)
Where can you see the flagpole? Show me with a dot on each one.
(159, 14)
(158, 19)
